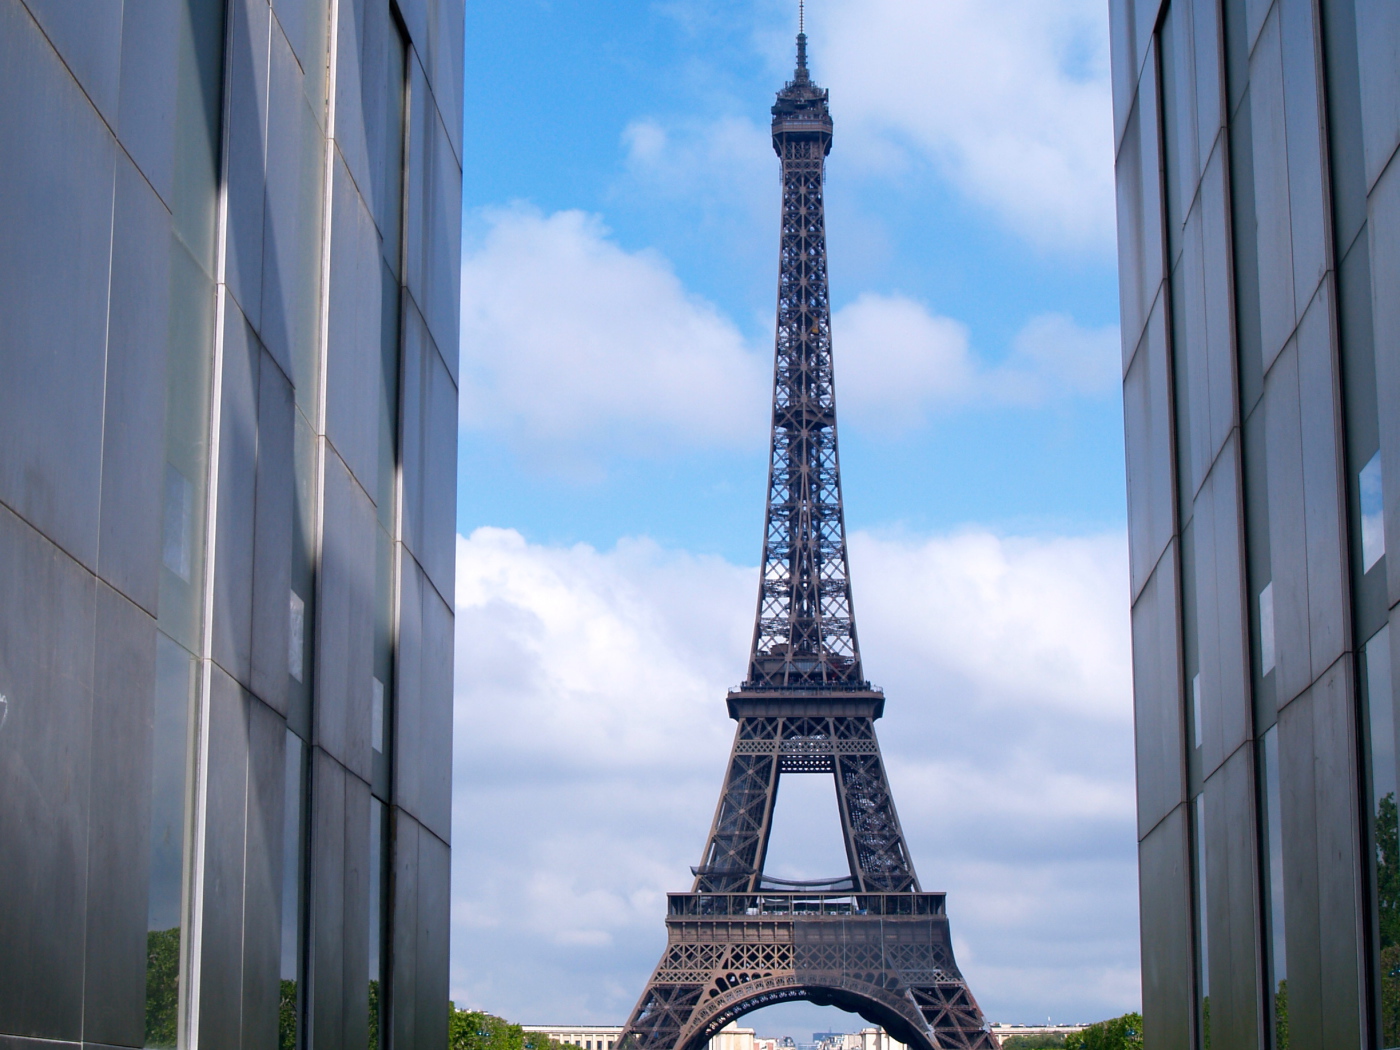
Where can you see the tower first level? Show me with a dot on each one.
(869, 942)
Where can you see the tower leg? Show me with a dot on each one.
(738, 842)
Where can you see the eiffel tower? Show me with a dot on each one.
(870, 942)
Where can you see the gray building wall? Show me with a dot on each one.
(1259, 259)
(229, 264)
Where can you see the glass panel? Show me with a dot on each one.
(390, 208)
(179, 518)
(1381, 709)
(170, 753)
(188, 370)
(1196, 707)
(1372, 514)
(303, 283)
(389, 204)
(377, 817)
(1266, 629)
(199, 31)
(1190, 656)
(387, 473)
(1202, 935)
(376, 733)
(293, 868)
(198, 125)
(304, 462)
(1271, 826)
(296, 636)
(382, 714)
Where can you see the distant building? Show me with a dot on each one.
(865, 1039)
(583, 1036)
(1258, 193)
(229, 265)
(731, 1037)
(1006, 1031)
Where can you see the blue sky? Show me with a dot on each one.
(561, 84)
(619, 272)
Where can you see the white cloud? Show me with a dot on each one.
(894, 358)
(1009, 98)
(573, 347)
(726, 159)
(570, 342)
(896, 362)
(591, 741)
(1053, 356)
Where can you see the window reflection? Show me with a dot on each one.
(169, 805)
(296, 635)
(1372, 514)
(1198, 730)
(179, 514)
(376, 728)
(1266, 628)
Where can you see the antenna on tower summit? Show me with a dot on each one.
(801, 40)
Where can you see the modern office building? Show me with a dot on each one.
(229, 258)
(1259, 248)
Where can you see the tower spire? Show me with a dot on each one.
(801, 40)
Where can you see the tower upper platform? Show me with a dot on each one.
(801, 111)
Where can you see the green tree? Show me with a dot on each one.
(477, 1030)
(287, 1017)
(1043, 1041)
(1119, 1033)
(1281, 1016)
(162, 987)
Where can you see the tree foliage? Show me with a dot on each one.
(162, 987)
(476, 1030)
(1040, 1041)
(287, 1017)
(1119, 1033)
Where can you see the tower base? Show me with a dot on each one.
(885, 956)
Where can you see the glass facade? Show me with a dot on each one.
(227, 469)
(1259, 246)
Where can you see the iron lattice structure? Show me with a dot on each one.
(804, 633)
(870, 942)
